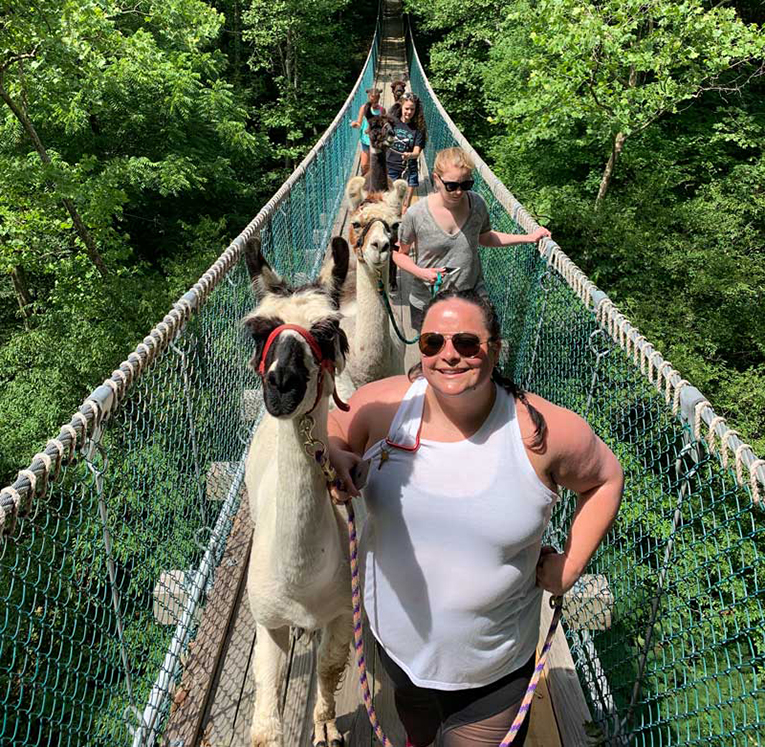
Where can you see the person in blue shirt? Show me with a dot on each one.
(410, 138)
(373, 108)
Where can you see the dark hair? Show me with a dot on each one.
(418, 118)
(491, 320)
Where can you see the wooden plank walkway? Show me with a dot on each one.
(223, 715)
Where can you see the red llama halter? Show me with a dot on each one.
(325, 364)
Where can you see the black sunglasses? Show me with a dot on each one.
(466, 344)
(454, 186)
(408, 96)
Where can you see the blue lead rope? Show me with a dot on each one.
(437, 285)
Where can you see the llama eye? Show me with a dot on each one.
(356, 224)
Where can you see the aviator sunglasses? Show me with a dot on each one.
(454, 186)
(466, 344)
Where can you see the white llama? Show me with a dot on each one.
(375, 349)
(299, 569)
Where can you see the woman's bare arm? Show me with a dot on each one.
(357, 122)
(497, 238)
(372, 408)
(403, 259)
(577, 459)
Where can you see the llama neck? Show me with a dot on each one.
(378, 170)
(371, 337)
(302, 507)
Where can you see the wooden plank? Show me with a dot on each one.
(569, 704)
(352, 718)
(219, 479)
(229, 715)
(543, 729)
(170, 594)
(587, 606)
(193, 694)
(297, 718)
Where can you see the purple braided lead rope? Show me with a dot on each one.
(358, 641)
(557, 604)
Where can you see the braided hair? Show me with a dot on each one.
(491, 320)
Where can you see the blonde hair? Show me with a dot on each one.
(452, 157)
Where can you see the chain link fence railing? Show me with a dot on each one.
(668, 634)
(112, 536)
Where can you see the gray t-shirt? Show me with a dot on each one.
(436, 248)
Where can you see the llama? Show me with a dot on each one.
(375, 349)
(299, 573)
(397, 87)
(380, 138)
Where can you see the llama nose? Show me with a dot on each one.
(381, 245)
(283, 379)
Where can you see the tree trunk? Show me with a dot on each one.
(289, 60)
(79, 225)
(23, 296)
(608, 172)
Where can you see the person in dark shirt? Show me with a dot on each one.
(410, 137)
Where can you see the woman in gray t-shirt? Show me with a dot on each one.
(447, 227)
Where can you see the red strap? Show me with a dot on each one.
(304, 333)
(324, 363)
(344, 406)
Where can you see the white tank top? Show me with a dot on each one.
(450, 547)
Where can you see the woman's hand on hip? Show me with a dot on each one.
(554, 572)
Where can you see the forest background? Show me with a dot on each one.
(137, 138)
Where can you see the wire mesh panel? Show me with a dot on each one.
(669, 643)
(103, 577)
(104, 565)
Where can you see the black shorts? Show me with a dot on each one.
(424, 711)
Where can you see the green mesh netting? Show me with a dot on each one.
(679, 657)
(99, 577)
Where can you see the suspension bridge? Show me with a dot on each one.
(124, 542)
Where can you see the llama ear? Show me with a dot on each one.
(395, 196)
(340, 259)
(354, 191)
(264, 279)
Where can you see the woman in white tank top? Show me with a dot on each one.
(463, 479)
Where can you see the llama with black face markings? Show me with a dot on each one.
(299, 569)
